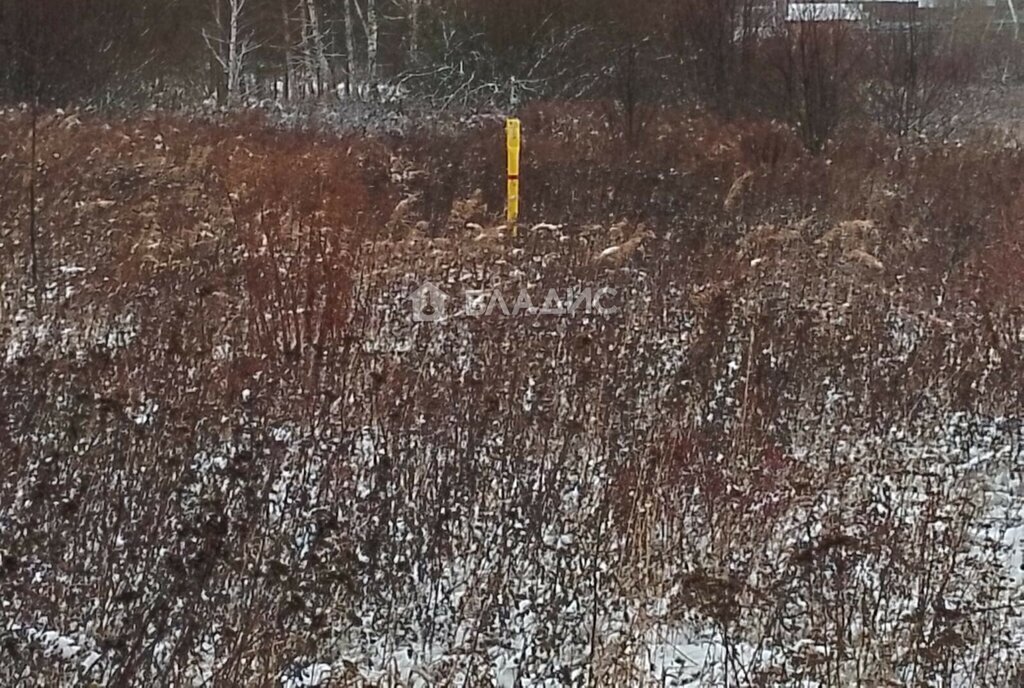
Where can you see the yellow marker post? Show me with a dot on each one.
(513, 140)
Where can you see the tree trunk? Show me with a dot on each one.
(350, 47)
(230, 46)
(318, 44)
(234, 58)
(33, 229)
(372, 31)
(414, 31)
(306, 50)
(289, 59)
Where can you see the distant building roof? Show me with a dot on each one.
(878, 12)
(824, 11)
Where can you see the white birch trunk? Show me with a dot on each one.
(372, 32)
(306, 50)
(234, 53)
(414, 31)
(318, 45)
(289, 59)
(350, 47)
(231, 46)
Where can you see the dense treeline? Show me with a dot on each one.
(734, 56)
(95, 50)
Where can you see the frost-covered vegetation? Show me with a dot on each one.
(231, 457)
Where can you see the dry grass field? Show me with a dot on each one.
(231, 456)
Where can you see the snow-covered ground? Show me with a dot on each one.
(538, 576)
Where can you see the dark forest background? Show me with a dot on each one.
(906, 69)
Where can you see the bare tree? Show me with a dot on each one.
(372, 39)
(315, 42)
(630, 89)
(717, 40)
(630, 37)
(232, 43)
(350, 47)
(288, 46)
(1015, 18)
(369, 19)
(914, 72)
(815, 61)
(413, 12)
